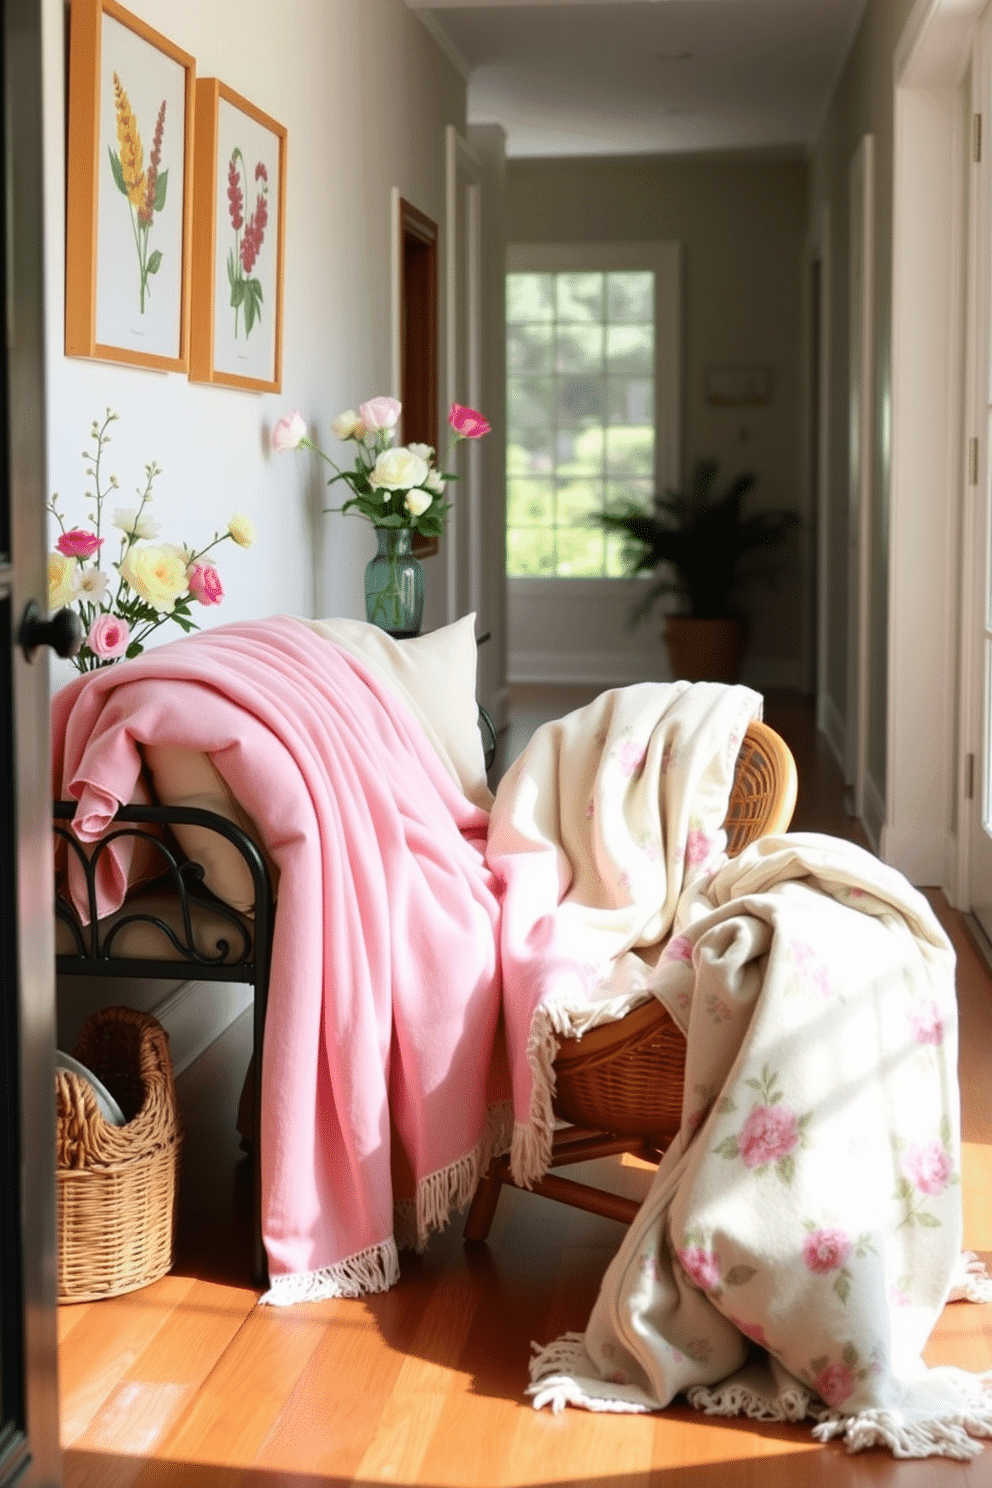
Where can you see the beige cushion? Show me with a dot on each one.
(435, 676)
(185, 777)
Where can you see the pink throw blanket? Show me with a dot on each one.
(385, 992)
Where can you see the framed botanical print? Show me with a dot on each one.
(128, 169)
(239, 189)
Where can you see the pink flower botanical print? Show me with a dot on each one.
(927, 1169)
(835, 1384)
(701, 1266)
(630, 756)
(772, 1132)
(926, 1023)
(811, 973)
(825, 1250)
(679, 948)
(145, 190)
(246, 288)
(754, 1331)
(699, 847)
(835, 1380)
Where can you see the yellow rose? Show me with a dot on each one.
(158, 575)
(242, 529)
(61, 580)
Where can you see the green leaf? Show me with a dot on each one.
(728, 1148)
(725, 1107)
(850, 1356)
(740, 1275)
(786, 1168)
(118, 170)
(253, 303)
(184, 624)
(928, 1221)
(842, 1287)
(775, 1098)
(237, 292)
(161, 185)
(820, 1364)
(904, 1189)
(135, 649)
(945, 1131)
(154, 261)
(753, 1084)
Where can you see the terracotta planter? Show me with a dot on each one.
(705, 650)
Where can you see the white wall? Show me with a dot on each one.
(366, 106)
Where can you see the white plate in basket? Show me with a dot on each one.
(108, 1107)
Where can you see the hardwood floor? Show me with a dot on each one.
(188, 1383)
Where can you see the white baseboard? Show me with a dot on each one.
(196, 1014)
(587, 668)
(834, 729)
(874, 817)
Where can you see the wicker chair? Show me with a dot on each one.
(620, 1087)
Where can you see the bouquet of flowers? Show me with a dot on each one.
(150, 582)
(392, 485)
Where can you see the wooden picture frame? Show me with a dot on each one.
(239, 214)
(128, 170)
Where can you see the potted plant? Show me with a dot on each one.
(694, 543)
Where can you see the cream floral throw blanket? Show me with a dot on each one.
(803, 1231)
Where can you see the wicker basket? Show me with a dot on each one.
(116, 1184)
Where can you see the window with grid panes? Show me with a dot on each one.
(580, 415)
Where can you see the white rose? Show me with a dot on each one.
(62, 579)
(417, 501)
(346, 424)
(242, 529)
(398, 470)
(434, 482)
(425, 451)
(289, 432)
(127, 519)
(158, 575)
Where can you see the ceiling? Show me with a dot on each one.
(605, 77)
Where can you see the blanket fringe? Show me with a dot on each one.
(970, 1281)
(372, 1270)
(451, 1188)
(736, 1399)
(530, 1152)
(941, 1436)
(556, 1372)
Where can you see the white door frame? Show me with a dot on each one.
(922, 424)
(463, 268)
(861, 361)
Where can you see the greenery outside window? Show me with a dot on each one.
(581, 399)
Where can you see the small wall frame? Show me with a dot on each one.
(128, 166)
(239, 191)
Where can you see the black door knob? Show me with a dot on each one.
(63, 631)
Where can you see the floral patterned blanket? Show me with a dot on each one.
(803, 1231)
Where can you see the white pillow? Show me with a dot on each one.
(185, 777)
(434, 674)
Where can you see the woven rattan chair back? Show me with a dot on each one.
(620, 1087)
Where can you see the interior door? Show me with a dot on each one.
(861, 186)
(29, 1451)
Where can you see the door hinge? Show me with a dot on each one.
(976, 137)
(973, 462)
(969, 777)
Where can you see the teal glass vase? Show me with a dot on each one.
(394, 585)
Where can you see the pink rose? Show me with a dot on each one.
(929, 1167)
(679, 948)
(825, 1250)
(811, 969)
(108, 636)
(78, 543)
(928, 1027)
(770, 1132)
(750, 1330)
(698, 847)
(630, 756)
(834, 1384)
(204, 583)
(289, 432)
(466, 423)
(702, 1266)
(380, 413)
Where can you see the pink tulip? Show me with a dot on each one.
(204, 583)
(78, 543)
(380, 413)
(466, 423)
(108, 637)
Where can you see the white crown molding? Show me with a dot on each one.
(438, 35)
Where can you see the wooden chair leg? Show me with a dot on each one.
(483, 1208)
